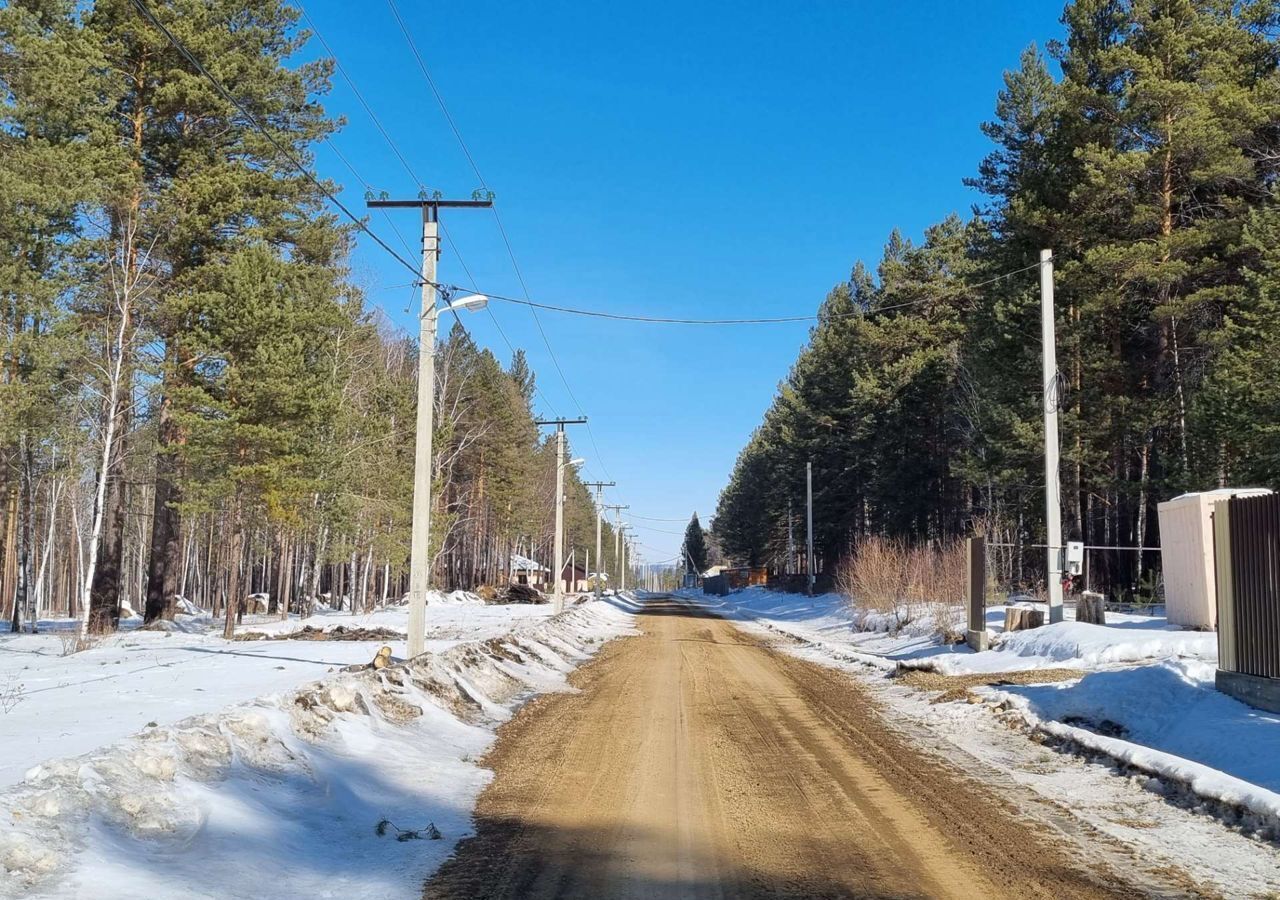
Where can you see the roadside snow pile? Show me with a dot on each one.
(1172, 706)
(1079, 645)
(295, 784)
(71, 704)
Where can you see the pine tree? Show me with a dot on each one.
(695, 547)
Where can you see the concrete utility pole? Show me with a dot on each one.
(559, 540)
(599, 486)
(791, 541)
(808, 469)
(1052, 489)
(622, 570)
(420, 529)
(617, 531)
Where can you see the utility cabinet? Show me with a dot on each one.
(1186, 555)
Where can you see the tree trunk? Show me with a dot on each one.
(165, 559)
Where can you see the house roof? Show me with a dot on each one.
(525, 564)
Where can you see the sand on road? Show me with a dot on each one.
(695, 761)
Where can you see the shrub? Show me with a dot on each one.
(902, 583)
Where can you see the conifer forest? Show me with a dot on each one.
(196, 402)
(1143, 151)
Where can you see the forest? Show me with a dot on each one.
(197, 403)
(1142, 149)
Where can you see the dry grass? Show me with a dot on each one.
(906, 582)
(956, 687)
(77, 639)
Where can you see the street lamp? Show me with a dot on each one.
(471, 303)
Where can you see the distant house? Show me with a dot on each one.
(527, 571)
(575, 579)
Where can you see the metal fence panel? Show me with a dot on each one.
(1248, 575)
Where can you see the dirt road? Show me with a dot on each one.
(696, 762)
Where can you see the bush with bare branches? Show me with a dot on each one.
(892, 583)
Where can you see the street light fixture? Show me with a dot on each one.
(471, 303)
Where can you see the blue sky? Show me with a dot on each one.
(694, 159)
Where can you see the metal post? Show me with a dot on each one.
(809, 534)
(1052, 489)
(420, 534)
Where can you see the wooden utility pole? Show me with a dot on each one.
(559, 539)
(420, 530)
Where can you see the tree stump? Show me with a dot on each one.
(1020, 618)
(1090, 608)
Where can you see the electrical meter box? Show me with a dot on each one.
(1075, 557)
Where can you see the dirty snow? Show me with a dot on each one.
(73, 704)
(293, 785)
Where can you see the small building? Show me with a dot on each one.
(1186, 555)
(527, 571)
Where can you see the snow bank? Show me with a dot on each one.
(1080, 645)
(72, 704)
(1171, 706)
(293, 784)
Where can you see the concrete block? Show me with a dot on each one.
(1259, 692)
(978, 640)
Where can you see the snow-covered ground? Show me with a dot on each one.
(327, 789)
(1146, 701)
(69, 704)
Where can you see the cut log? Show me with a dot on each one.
(1090, 608)
(1020, 618)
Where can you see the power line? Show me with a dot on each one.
(506, 240)
(413, 176)
(770, 320)
(147, 14)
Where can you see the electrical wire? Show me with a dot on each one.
(502, 230)
(767, 320)
(413, 176)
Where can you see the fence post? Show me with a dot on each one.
(976, 566)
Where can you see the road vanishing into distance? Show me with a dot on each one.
(695, 761)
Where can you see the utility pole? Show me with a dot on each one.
(809, 534)
(420, 529)
(1052, 489)
(599, 486)
(617, 531)
(791, 541)
(559, 541)
(622, 570)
